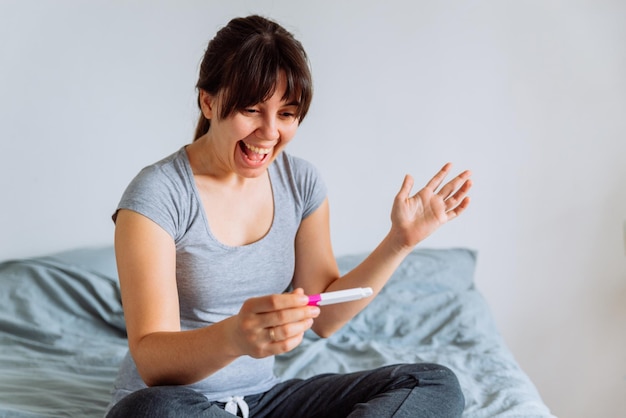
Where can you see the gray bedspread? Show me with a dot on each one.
(62, 335)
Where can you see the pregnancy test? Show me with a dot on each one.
(339, 296)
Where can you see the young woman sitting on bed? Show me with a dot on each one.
(209, 239)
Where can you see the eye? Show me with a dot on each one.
(288, 112)
(250, 111)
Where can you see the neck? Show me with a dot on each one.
(205, 162)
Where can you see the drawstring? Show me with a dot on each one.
(235, 403)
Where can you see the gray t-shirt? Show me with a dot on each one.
(214, 279)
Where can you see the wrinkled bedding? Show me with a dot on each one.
(62, 335)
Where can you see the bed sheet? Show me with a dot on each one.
(430, 311)
(62, 335)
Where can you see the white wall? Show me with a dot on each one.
(530, 95)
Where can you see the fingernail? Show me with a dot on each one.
(314, 311)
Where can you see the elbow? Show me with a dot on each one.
(147, 370)
(324, 331)
(153, 379)
(324, 334)
(149, 377)
(150, 382)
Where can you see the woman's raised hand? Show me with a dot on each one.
(415, 217)
(273, 324)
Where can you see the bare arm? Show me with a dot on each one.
(164, 354)
(413, 219)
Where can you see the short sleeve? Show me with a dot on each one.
(309, 183)
(160, 193)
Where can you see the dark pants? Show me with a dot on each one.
(407, 390)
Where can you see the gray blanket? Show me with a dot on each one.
(62, 335)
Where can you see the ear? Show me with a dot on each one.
(207, 104)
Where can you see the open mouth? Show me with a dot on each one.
(254, 154)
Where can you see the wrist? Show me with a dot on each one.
(398, 243)
(231, 345)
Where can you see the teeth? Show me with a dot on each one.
(257, 150)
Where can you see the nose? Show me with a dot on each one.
(268, 128)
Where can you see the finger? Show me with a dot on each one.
(271, 303)
(272, 334)
(298, 291)
(405, 190)
(456, 192)
(436, 181)
(289, 316)
(287, 331)
(455, 184)
(454, 200)
(286, 345)
(460, 204)
(453, 213)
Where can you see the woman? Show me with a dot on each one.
(208, 240)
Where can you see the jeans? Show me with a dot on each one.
(405, 390)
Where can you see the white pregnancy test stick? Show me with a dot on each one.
(339, 296)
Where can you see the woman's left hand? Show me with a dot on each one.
(414, 218)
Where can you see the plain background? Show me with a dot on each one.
(530, 95)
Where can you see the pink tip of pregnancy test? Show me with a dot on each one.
(314, 300)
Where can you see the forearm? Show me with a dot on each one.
(373, 272)
(183, 357)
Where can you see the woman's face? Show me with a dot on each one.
(247, 141)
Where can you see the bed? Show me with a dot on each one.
(62, 334)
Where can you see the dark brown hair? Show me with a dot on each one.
(243, 63)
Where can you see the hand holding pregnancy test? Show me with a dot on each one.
(339, 296)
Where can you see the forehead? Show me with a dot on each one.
(277, 93)
(281, 87)
(281, 93)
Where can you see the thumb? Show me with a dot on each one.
(405, 190)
